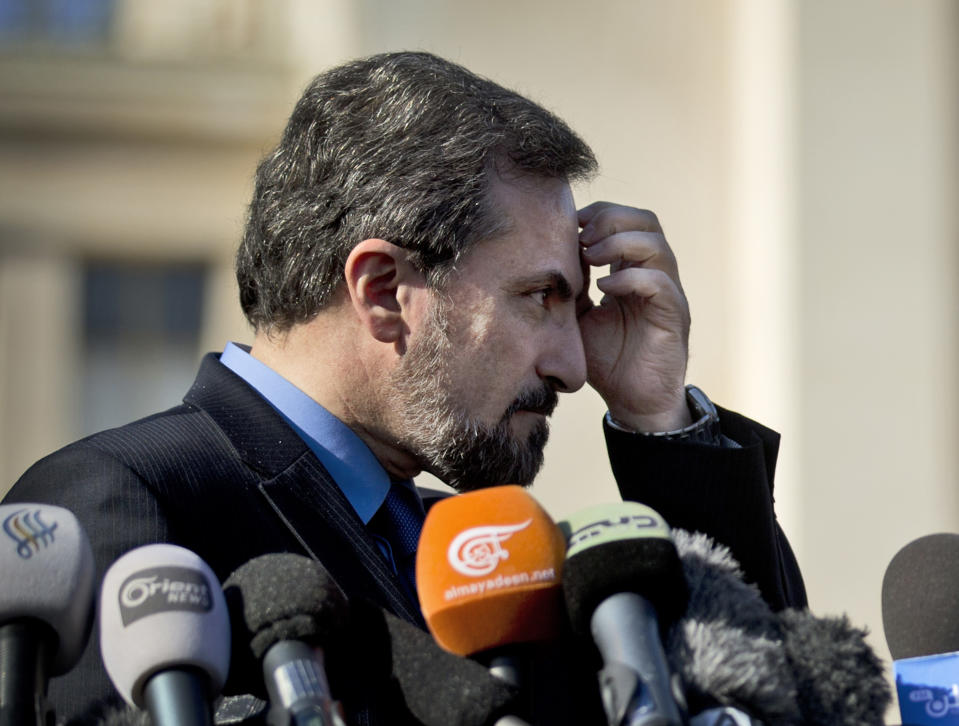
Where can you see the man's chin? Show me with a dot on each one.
(524, 424)
(475, 457)
(482, 478)
(520, 466)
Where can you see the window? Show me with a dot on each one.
(56, 22)
(141, 331)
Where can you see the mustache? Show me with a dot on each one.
(538, 400)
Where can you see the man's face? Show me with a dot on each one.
(478, 381)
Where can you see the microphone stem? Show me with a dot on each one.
(508, 669)
(24, 651)
(636, 682)
(510, 665)
(178, 698)
(297, 686)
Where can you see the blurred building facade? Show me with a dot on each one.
(802, 156)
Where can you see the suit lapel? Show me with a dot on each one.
(318, 514)
(298, 489)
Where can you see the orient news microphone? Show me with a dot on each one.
(623, 580)
(920, 617)
(46, 604)
(285, 608)
(488, 571)
(165, 633)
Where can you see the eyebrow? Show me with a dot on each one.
(552, 278)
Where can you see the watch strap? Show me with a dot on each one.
(704, 428)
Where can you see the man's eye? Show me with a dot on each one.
(541, 296)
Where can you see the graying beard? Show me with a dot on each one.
(449, 444)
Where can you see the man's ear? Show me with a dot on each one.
(379, 277)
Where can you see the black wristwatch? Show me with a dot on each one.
(704, 428)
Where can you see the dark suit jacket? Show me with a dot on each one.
(224, 476)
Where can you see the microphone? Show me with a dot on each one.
(380, 661)
(285, 608)
(785, 667)
(435, 686)
(488, 571)
(165, 633)
(723, 716)
(920, 618)
(920, 598)
(624, 584)
(46, 605)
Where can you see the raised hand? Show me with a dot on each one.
(637, 338)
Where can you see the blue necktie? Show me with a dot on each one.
(400, 521)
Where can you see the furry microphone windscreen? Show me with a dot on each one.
(786, 669)
(838, 676)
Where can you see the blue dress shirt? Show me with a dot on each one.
(354, 468)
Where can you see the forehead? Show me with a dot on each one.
(539, 237)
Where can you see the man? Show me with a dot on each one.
(416, 273)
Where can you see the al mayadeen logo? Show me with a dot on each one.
(478, 551)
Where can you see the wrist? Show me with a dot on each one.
(700, 423)
(676, 416)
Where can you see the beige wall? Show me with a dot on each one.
(878, 233)
(802, 157)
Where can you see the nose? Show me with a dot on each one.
(563, 361)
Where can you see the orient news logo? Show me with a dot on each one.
(163, 589)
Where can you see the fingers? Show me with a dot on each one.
(655, 287)
(622, 237)
(624, 249)
(602, 219)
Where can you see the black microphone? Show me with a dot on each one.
(285, 608)
(436, 687)
(46, 605)
(920, 618)
(375, 659)
(920, 598)
(165, 633)
(624, 584)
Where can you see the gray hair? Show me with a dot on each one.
(398, 146)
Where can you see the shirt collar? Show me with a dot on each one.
(354, 468)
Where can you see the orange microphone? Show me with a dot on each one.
(489, 571)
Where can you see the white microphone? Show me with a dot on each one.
(165, 633)
(46, 604)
